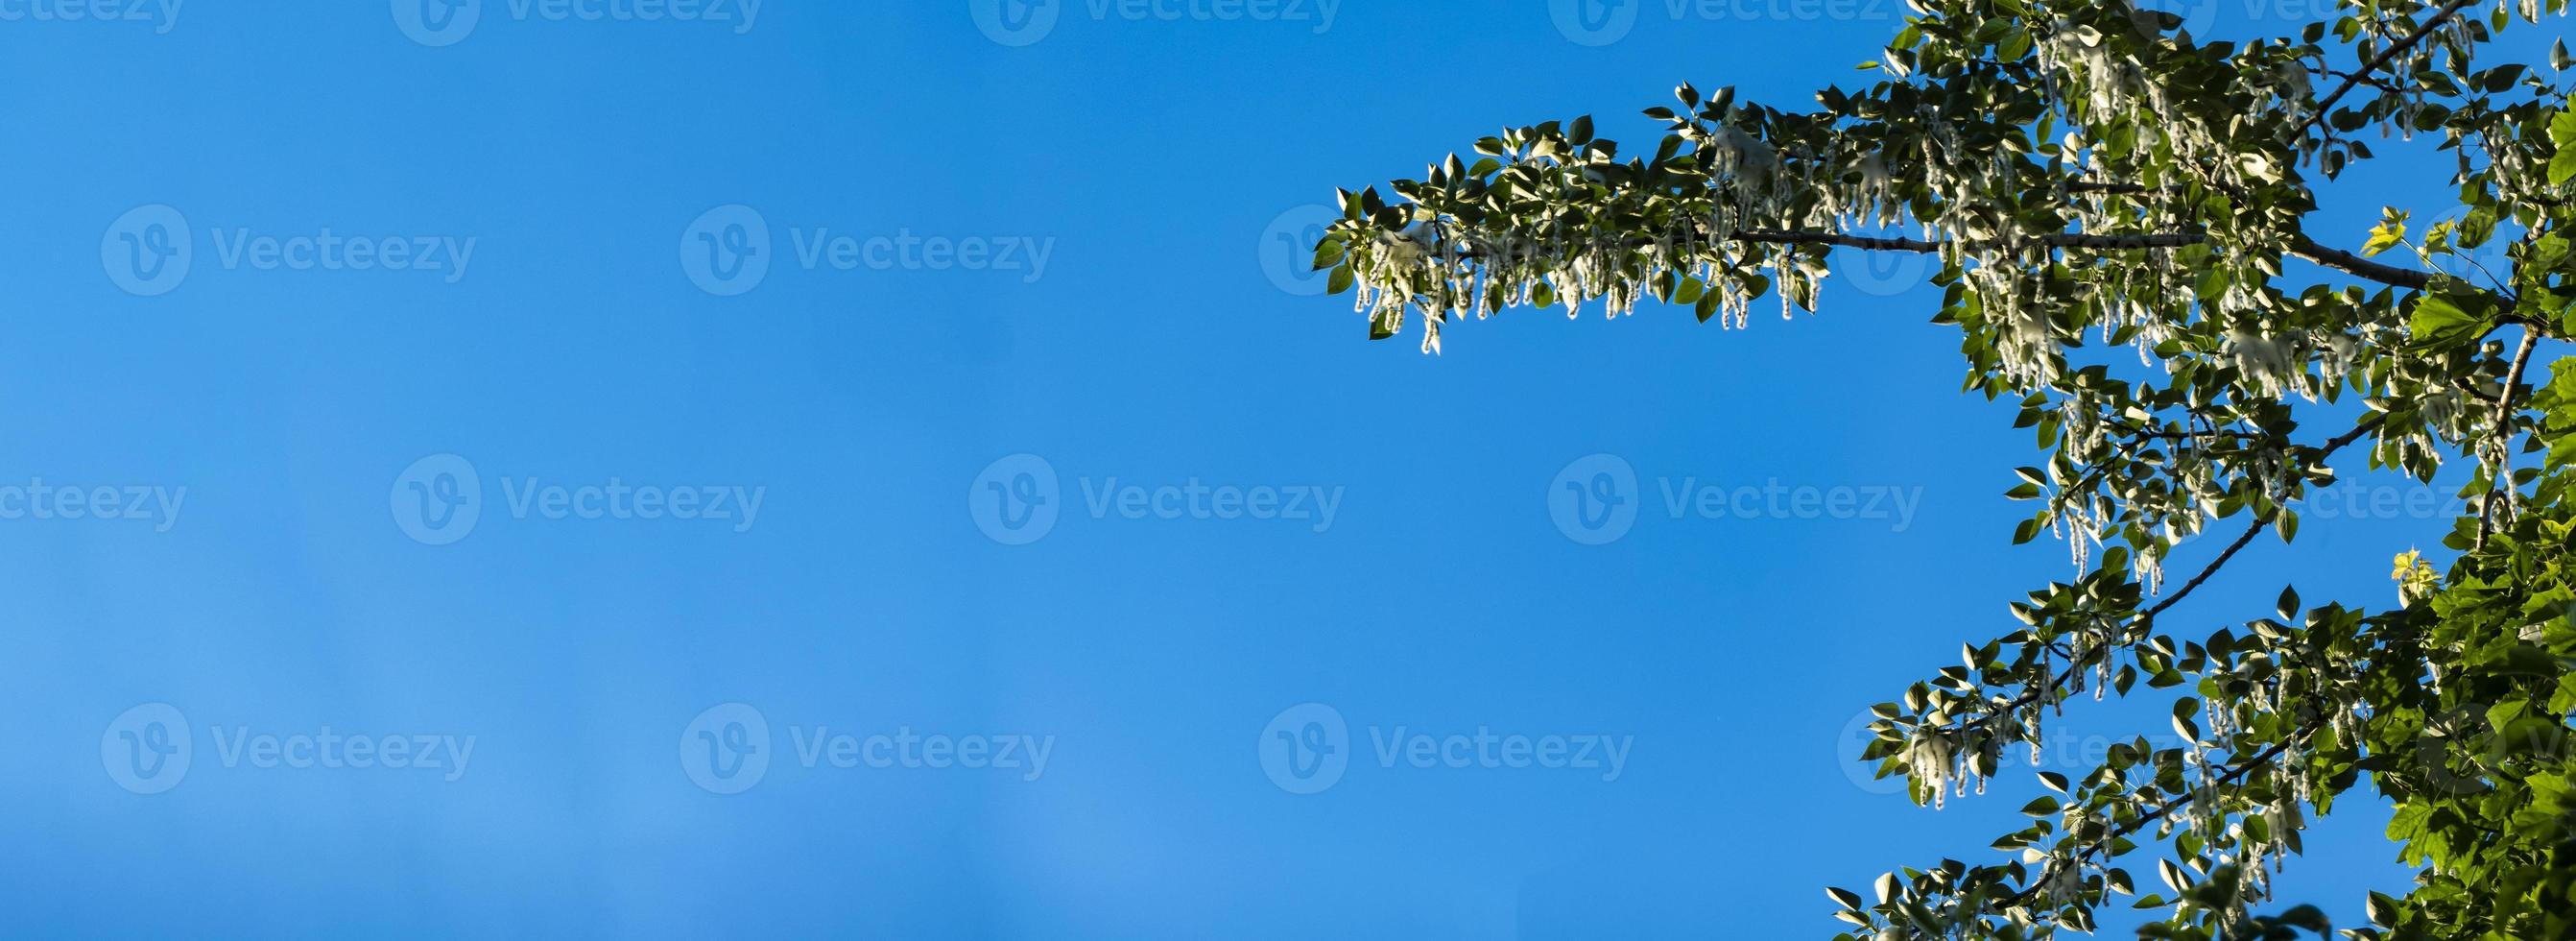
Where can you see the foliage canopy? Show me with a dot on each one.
(2087, 172)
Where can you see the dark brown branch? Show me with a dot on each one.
(2422, 31)
(2378, 83)
(2304, 247)
(2147, 618)
(2242, 540)
(2350, 263)
(2177, 802)
(2062, 240)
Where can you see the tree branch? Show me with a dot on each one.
(2350, 263)
(2422, 31)
(2147, 618)
(2504, 437)
(2175, 803)
(2303, 247)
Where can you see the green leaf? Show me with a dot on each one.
(2441, 321)
(2562, 132)
(2182, 723)
(1329, 252)
(2306, 916)
(2383, 910)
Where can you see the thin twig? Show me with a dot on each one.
(2147, 618)
(2503, 482)
(2422, 31)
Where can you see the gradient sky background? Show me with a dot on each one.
(1164, 166)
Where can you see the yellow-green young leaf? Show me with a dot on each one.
(2388, 234)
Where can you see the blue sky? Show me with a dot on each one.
(955, 567)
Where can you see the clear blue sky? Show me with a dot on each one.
(1066, 246)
